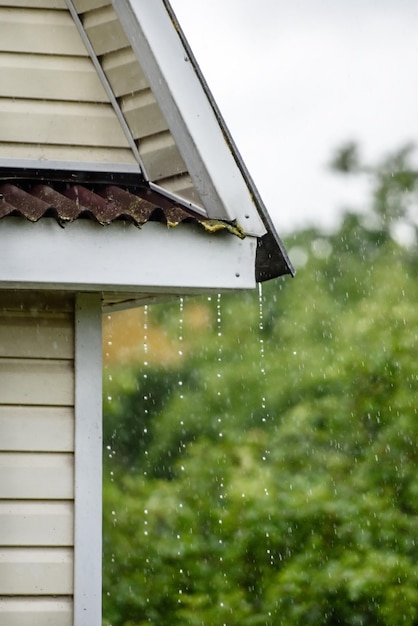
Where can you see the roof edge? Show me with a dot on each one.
(271, 239)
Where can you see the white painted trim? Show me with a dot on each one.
(88, 462)
(188, 112)
(85, 256)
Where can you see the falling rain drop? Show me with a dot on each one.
(219, 392)
(262, 350)
(219, 354)
(145, 370)
(146, 395)
(180, 341)
(219, 330)
(109, 344)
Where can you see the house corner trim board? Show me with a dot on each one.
(88, 461)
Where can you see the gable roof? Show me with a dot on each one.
(101, 85)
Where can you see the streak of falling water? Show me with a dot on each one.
(145, 373)
(219, 354)
(265, 415)
(109, 450)
(262, 352)
(220, 393)
(264, 412)
(145, 340)
(109, 341)
(180, 340)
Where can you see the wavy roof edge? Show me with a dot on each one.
(103, 202)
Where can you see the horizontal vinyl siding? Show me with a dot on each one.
(36, 459)
(39, 31)
(89, 5)
(49, 338)
(36, 381)
(36, 611)
(53, 105)
(162, 156)
(50, 122)
(143, 114)
(34, 476)
(36, 571)
(35, 4)
(20, 427)
(38, 523)
(47, 77)
(124, 72)
(104, 30)
(79, 154)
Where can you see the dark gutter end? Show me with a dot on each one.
(271, 258)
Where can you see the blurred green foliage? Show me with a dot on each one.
(270, 476)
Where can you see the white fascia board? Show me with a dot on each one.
(188, 112)
(85, 256)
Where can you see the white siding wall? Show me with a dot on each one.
(52, 103)
(36, 459)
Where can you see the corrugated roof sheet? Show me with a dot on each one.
(104, 203)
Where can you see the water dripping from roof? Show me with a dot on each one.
(261, 343)
(109, 450)
(145, 372)
(265, 416)
(180, 342)
(219, 356)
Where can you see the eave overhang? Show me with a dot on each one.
(72, 195)
(121, 261)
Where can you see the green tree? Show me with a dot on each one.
(280, 486)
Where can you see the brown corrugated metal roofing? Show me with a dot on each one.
(104, 203)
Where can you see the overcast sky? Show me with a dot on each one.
(295, 79)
